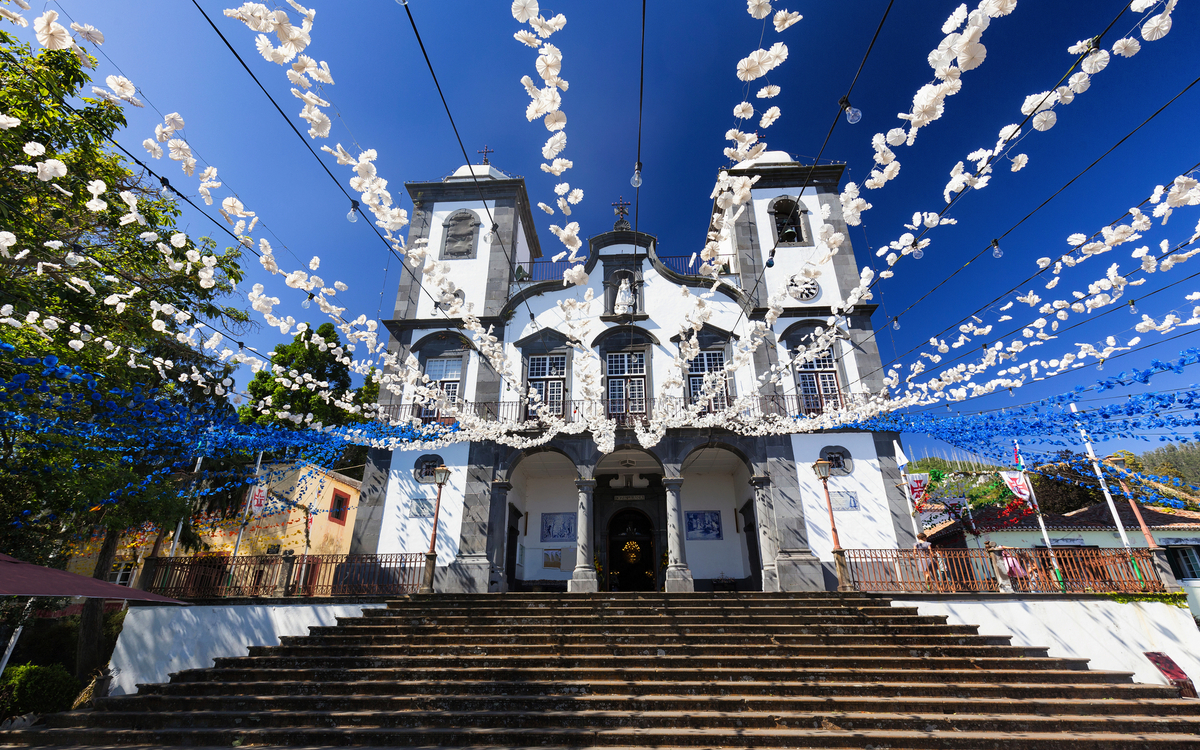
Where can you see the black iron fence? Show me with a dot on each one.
(214, 577)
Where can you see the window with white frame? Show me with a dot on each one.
(445, 373)
(626, 382)
(547, 374)
(1186, 562)
(122, 572)
(817, 384)
(707, 362)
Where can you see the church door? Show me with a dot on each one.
(631, 559)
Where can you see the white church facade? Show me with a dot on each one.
(705, 508)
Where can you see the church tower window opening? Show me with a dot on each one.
(626, 383)
(817, 385)
(790, 222)
(547, 375)
(704, 363)
(446, 373)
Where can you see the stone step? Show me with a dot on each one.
(659, 627)
(703, 687)
(884, 618)
(419, 720)
(332, 648)
(345, 637)
(623, 662)
(648, 672)
(832, 737)
(643, 609)
(501, 701)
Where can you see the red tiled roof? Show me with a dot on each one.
(1093, 518)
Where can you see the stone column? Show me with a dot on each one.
(583, 578)
(679, 577)
(764, 514)
(497, 536)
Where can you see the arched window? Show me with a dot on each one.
(790, 222)
(460, 235)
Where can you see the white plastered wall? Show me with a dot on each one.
(725, 492)
(470, 275)
(869, 527)
(399, 532)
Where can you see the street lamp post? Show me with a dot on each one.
(440, 475)
(821, 468)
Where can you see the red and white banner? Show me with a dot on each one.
(918, 487)
(1015, 480)
(258, 499)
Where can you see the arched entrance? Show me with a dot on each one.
(631, 558)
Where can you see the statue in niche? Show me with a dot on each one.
(624, 303)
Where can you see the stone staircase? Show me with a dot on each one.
(640, 670)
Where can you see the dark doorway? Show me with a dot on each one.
(510, 549)
(750, 527)
(631, 557)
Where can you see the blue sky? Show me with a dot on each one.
(387, 101)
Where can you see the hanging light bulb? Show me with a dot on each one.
(1011, 394)
(307, 303)
(1132, 307)
(1100, 366)
(165, 190)
(918, 253)
(853, 114)
(896, 324)
(352, 214)
(636, 180)
(771, 260)
(490, 237)
(996, 251)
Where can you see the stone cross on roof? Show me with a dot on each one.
(621, 210)
(485, 151)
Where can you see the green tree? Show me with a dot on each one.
(85, 284)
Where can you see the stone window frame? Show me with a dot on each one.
(846, 460)
(549, 343)
(611, 342)
(419, 465)
(802, 223)
(442, 345)
(711, 339)
(476, 223)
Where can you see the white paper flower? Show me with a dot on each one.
(1141, 6)
(1038, 102)
(955, 20)
(784, 20)
(556, 120)
(743, 111)
(1095, 62)
(562, 188)
(775, 56)
(558, 166)
(1079, 83)
(751, 67)
(1155, 28)
(545, 208)
(7, 122)
(50, 33)
(51, 168)
(523, 10)
(767, 92)
(548, 67)
(95, 204)
(121, 86)
(174, 121)
(527, 37)
(33, 148)
(575, 196)
(998, 8)
(562, 206)
(180, 150)
(972, 56)
(759, 9)
(1019, 161)
(1077, 239)
(1044, 120)
(152, 148)
(770, 116)
(88, 32)
(554, 145)
(1127, 47)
